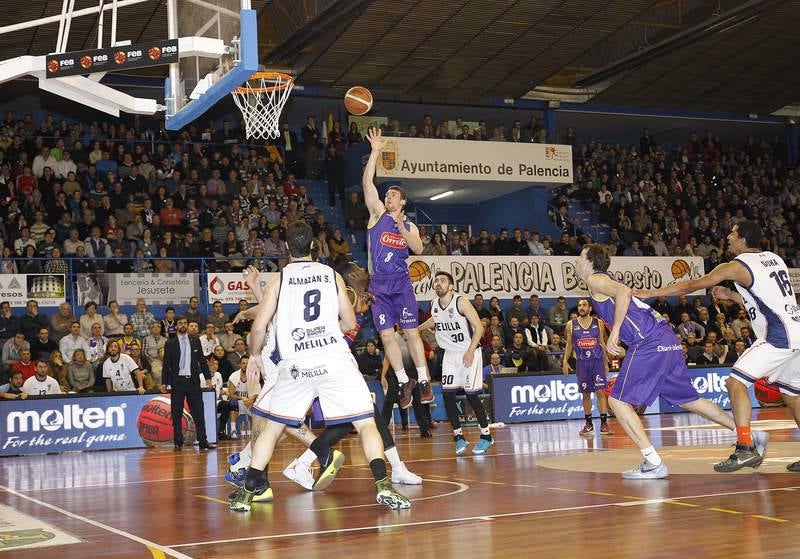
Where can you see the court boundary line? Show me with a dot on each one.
(470, 518)
(147, 543)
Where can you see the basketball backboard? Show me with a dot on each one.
(211, 47)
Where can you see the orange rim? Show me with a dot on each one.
(286, 79)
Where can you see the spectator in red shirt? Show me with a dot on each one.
(26, 182)
(25, 365)
(170, 216)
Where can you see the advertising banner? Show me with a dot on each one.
(545, 276)
(794, 277)
(526, 398)
(431, 159)
(64, 424)
(710, 384)
(155, 289)
(142, 55)
(48, 290)
(231, 287)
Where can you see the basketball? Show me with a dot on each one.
(768, 395)
(418, 270)
(680, 269)
(358, 100)
(155, 423)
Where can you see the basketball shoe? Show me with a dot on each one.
(262, 494)
(461, 445)
(425, 393)
(588, 429)
(236, 478)
(646, 470)
(604, 430)
(389, 497)
(403, 476)
(300, 474)
(483, 445)
(744, 456)
(327, 473)
(406, 394)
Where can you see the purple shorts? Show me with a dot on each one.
(654, 368)
(393, 303)
(591, 375)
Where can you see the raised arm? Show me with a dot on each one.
(371, 197)
(730, 271)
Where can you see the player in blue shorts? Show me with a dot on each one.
(389, 237)
(586, 338)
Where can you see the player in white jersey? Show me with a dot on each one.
(310, 302)
(764, 290)
(119, 369)
(458, 331)
(41, 384)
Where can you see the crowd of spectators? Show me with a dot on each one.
(114, 199)
(72, 349)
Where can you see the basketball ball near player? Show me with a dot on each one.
(358, 100)
(585, 336)
(458, 331)
(764, 290)
(653, 365)
(390, 236)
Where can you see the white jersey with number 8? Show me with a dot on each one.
(770, 300)
(308, 312)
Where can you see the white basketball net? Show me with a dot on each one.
(261, 100)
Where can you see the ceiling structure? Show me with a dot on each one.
(686, 54)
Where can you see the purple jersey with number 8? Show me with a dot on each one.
(394, 301)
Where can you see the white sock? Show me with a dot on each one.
(232, 426)
(393, 457)
(401, 375)
(485, 431)
(458, 432)
(422, 374)
(651, 455)
(245, 456)
(307, 458)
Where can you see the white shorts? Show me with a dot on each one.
(455, 376)
(335, 379)
(269, 374)
(780, 367)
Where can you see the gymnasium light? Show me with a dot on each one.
(441, 195)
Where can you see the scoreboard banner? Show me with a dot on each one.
(142, 55)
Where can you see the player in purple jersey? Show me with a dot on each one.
(585, 336)
(653, 364)
(389, 237)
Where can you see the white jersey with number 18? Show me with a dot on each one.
(770, 301)
(308, 312)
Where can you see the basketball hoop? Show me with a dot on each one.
(261, 100)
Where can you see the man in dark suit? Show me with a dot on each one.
(183, 365)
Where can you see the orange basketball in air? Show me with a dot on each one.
(680, 269)
(418, 270)
(358, 100)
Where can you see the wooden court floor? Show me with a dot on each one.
(542, 492)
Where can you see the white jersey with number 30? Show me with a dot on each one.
(308, 312)
(453, 331)
(770, 301)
